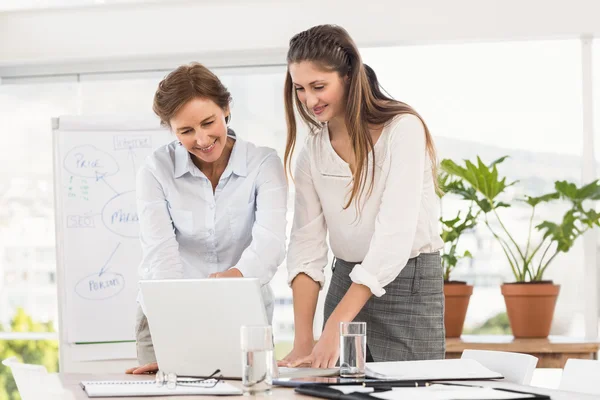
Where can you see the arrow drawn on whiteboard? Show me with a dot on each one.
(100, 177)
(104, 269)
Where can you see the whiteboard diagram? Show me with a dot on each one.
(99, 232)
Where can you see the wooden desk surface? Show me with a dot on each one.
(71, 383)
(552, 352)
(551, 344)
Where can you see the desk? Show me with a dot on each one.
(552, 352)
(71, 383)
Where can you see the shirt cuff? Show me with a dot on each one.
(363, 277)
(317, 276)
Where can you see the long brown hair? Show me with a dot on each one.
(185, 83)
(331, 48)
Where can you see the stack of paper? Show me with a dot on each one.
(431, 370)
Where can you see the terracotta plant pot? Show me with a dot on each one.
(530, 307)
(457, 296)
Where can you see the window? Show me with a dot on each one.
(26, 196)
(521, 99)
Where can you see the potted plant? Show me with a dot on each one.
(530, 300)
(457, 293)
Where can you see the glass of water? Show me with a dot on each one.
(353, 349)
(257, 359)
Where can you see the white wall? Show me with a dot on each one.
(226, 32)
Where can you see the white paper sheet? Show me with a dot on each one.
(453, 369)
(444, 392)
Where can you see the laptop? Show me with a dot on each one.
(195, 323)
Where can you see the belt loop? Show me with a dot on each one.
(417, 277)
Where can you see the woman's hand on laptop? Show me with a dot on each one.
(230, 273)
(144, 369)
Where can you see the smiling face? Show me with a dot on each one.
(322, 92)
(201, 128)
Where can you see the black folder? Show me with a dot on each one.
(327, 392)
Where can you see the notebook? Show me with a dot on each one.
(149, 388)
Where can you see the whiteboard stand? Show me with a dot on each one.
(109, 136)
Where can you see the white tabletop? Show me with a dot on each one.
(71, 383)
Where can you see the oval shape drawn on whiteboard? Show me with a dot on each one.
(120, 216)
(87, 161)
(100, 286)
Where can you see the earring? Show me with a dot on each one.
(179, 143)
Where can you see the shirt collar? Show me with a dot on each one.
(238, 160)
(183, 161)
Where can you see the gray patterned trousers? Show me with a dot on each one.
(143, 343)
(407, 322)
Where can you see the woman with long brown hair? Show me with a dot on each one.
(366, 177)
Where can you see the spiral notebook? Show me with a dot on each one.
(149, 388)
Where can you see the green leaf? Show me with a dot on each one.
(484, 205)
(452, 229)
(570, 191)
(564, 234)
(534, 201)
(498, 161)
(451, 222)
(450, 260)
(591, 218)
(481, 177)
(443, 179)
(452, 168)
(449, 236)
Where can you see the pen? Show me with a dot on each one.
(392, 384)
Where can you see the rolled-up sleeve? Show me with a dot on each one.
(396, 221)
(307, 252)
(267, 248)
(160, 249)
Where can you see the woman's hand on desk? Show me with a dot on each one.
(298, 352)
(325, 353)
(230, 273)
(144, 369)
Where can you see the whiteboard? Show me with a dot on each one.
(98, 251)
